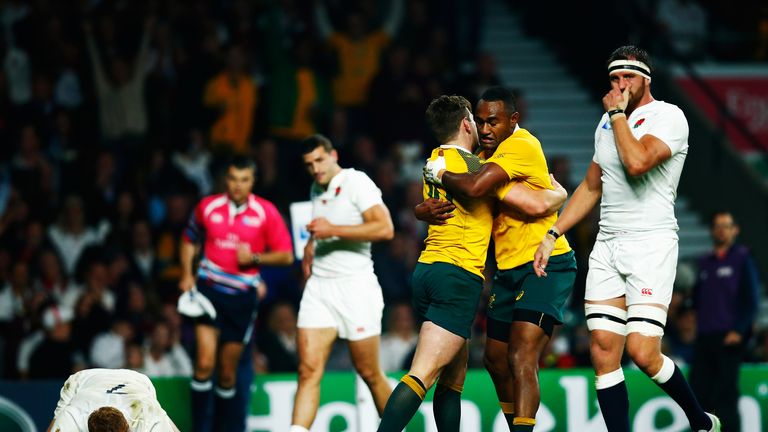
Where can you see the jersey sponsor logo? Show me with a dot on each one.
(607, 125)
(217, 218)
(360, 329)
(338, 190)
(114, 390)
(726, 271)
(519, 296)
(491, 300)
(646, 292)
(638, 123)
(251, 221)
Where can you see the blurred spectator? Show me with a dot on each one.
(70, 235)
(399, 340)
(55, 357)
(144, 263)
(108, 348)
(482, 77)
(120, 92)
(31, 172)
(684, 24)
(96, 279)
(359, 51)
(164, 355)
(194, 162)
(278, 342)
(682, 335)
(725, 298)
(134, 357)
(52, 280)
(232, 93)
(91, 318)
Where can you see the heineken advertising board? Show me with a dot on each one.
(568, 404)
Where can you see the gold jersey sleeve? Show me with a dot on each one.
(463, 240)
(516, 241)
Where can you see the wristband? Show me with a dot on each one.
(615, 111)
(553, 233)
(255, 259)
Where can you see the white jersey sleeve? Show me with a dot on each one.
(671, 127)
(365, 193)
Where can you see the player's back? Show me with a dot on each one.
(463, 240)
(516, 239)
(130, 392)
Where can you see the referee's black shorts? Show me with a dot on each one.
(235, 311)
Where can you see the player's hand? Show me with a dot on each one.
(434, 211)
(306, 262)
(261, 291)
(732, 338)
(320, 228)
(433, 170)
(541, 257)
(616, 99)
(244, 256)
(186, 283)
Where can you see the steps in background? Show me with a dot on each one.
(559, 112)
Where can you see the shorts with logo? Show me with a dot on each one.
(447, 295)
(642, 268)
(235, 311)
(520, 288)
(353, 305)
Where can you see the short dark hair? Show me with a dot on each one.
(720, 212)
(242, 162)
(630, 52)
(501, 94)
(445, 113)
(310, 143)
(107, 419)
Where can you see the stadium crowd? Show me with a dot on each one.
(115, 117)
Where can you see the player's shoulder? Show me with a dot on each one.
(520, 142)
(665, 110)
(215, 200)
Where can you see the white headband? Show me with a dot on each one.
(633, 66)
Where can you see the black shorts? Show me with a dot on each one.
(235, 311)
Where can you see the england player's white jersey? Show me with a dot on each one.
(644, 203)
(349, 194)
(130, 392)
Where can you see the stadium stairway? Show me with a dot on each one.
(559, 111)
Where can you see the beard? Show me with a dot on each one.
(635, 96)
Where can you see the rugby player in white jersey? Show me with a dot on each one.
(109, 400)
(640, 148)
(342, 297)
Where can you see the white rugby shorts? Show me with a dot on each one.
(640, 268)
(352, 305)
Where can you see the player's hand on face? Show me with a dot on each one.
(434, 211)
(244, 256)
(541, 257)
(186, 283)
(616, 98)
(434, 168)
(320, 228)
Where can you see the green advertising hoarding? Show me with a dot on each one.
(568, 404)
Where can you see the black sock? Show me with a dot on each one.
(614, 405)
(201, 396)
(446, 405)
(678, 389)
(402, 404)
(225, 406)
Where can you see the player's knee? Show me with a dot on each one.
(227, 377)
(369, 373)
(522, 357)
(646, 356)
(495, 362)
(310, 370)
(204, 367)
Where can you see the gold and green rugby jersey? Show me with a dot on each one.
(522, 158)
(463, 240)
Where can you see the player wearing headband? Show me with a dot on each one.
(640, 148)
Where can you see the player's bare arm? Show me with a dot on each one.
(377, 226)
(309, 256)
(434, 211)
(584, 198)
(637, 155)
(524, 201)
(481, 183)
(246, 258)
(187, 253)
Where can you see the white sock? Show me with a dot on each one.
(297, 428)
